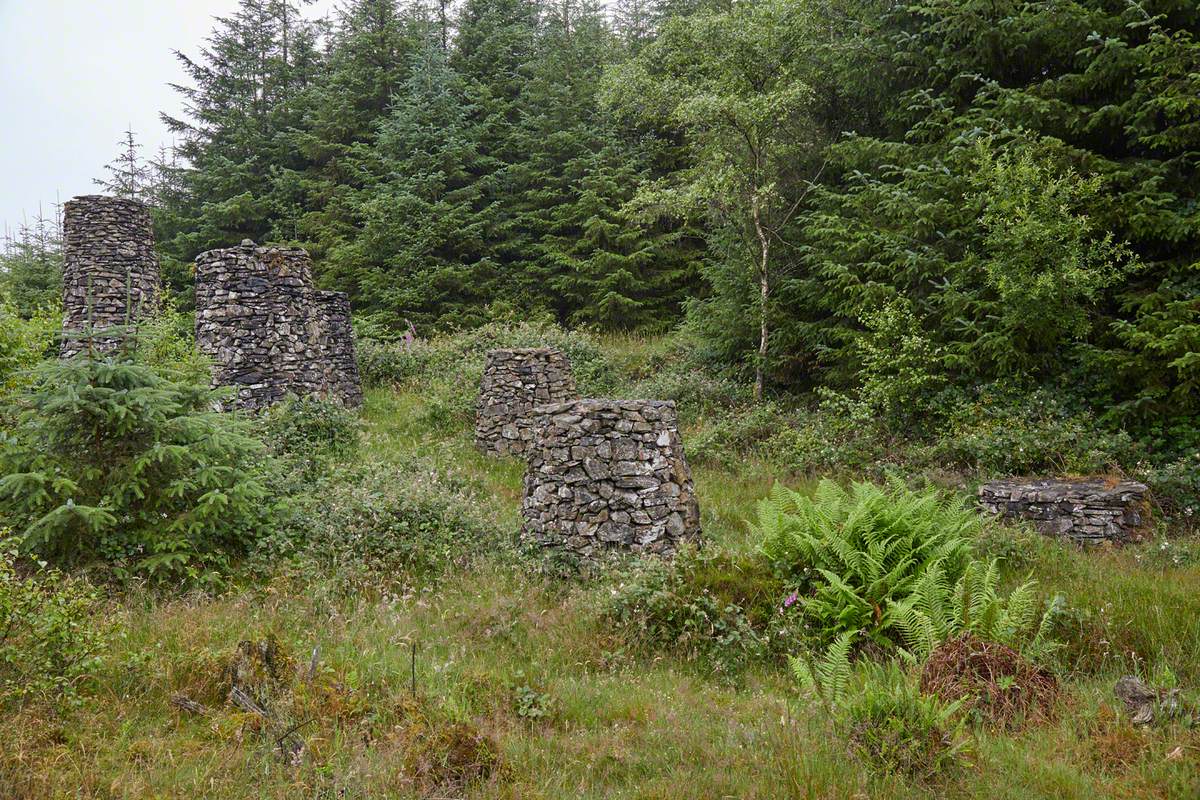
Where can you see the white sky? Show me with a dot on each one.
(74, 74)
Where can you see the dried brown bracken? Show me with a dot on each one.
(994, 681)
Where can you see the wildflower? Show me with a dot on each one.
(790, 601)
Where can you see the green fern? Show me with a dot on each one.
(894, 566)
(829, 676)
(861, 549)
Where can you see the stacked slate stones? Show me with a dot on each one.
(110, 271)
(342, 380)
(260, 320)
(1088, 511)
(515, 382)
(608, 474)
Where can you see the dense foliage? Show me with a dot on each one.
(894, 567)
(901, 205)
(48, 643)
(114, 460)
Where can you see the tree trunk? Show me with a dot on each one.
(764, 290)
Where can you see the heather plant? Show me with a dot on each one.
(385, 525)
(677, 607)
(310, 433)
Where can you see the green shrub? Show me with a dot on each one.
(696, 391)
(24, 343)
(1175, 488)
(699, 607)
(385, 525)
(730, 436)
(383, 363)
(48, 643)
(901, 376)
(1007, 432)
(311, 433)
(890, 724)
(456, 359)
(113, 461)
(822, 441)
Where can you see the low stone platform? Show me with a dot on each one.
(608, 474)
(514, 382)
(1088, 511)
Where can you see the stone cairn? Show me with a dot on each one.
(342, 380)
(260, 320)
(514, 382)
(608, 474)
(1087, 511)
(110, 271)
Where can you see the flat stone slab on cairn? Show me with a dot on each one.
(111, 273)
(608, 474)
(515, 382)
(1088, 511)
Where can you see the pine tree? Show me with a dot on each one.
(31, 265)
(244, 93)
(129, 176)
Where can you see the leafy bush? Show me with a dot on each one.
(311, 433)
(24, 343)
(1175, 487)
(1008, 432)
(901, 376)
(48, 643)
(456, 360)
(894, 727)
(111, 460)
(385, 525)
(704, 609)
(825, 441)
(734, 434)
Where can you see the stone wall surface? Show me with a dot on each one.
(608, 474)
(514, 382)
(254, 318)
(341, 378)
(1088, 511)
(110, 270)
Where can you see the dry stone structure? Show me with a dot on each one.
(110, 270)
(608, 474)
(268, 331)
(342, 381)
(514, 383)
(1087, 511)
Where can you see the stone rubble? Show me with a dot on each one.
(111, 275)
(1087, 511)
(514, 382)
(606, 475)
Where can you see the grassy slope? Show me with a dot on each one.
(616, 724)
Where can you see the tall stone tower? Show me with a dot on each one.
(110, 271)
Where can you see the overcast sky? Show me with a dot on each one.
(74, 74)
